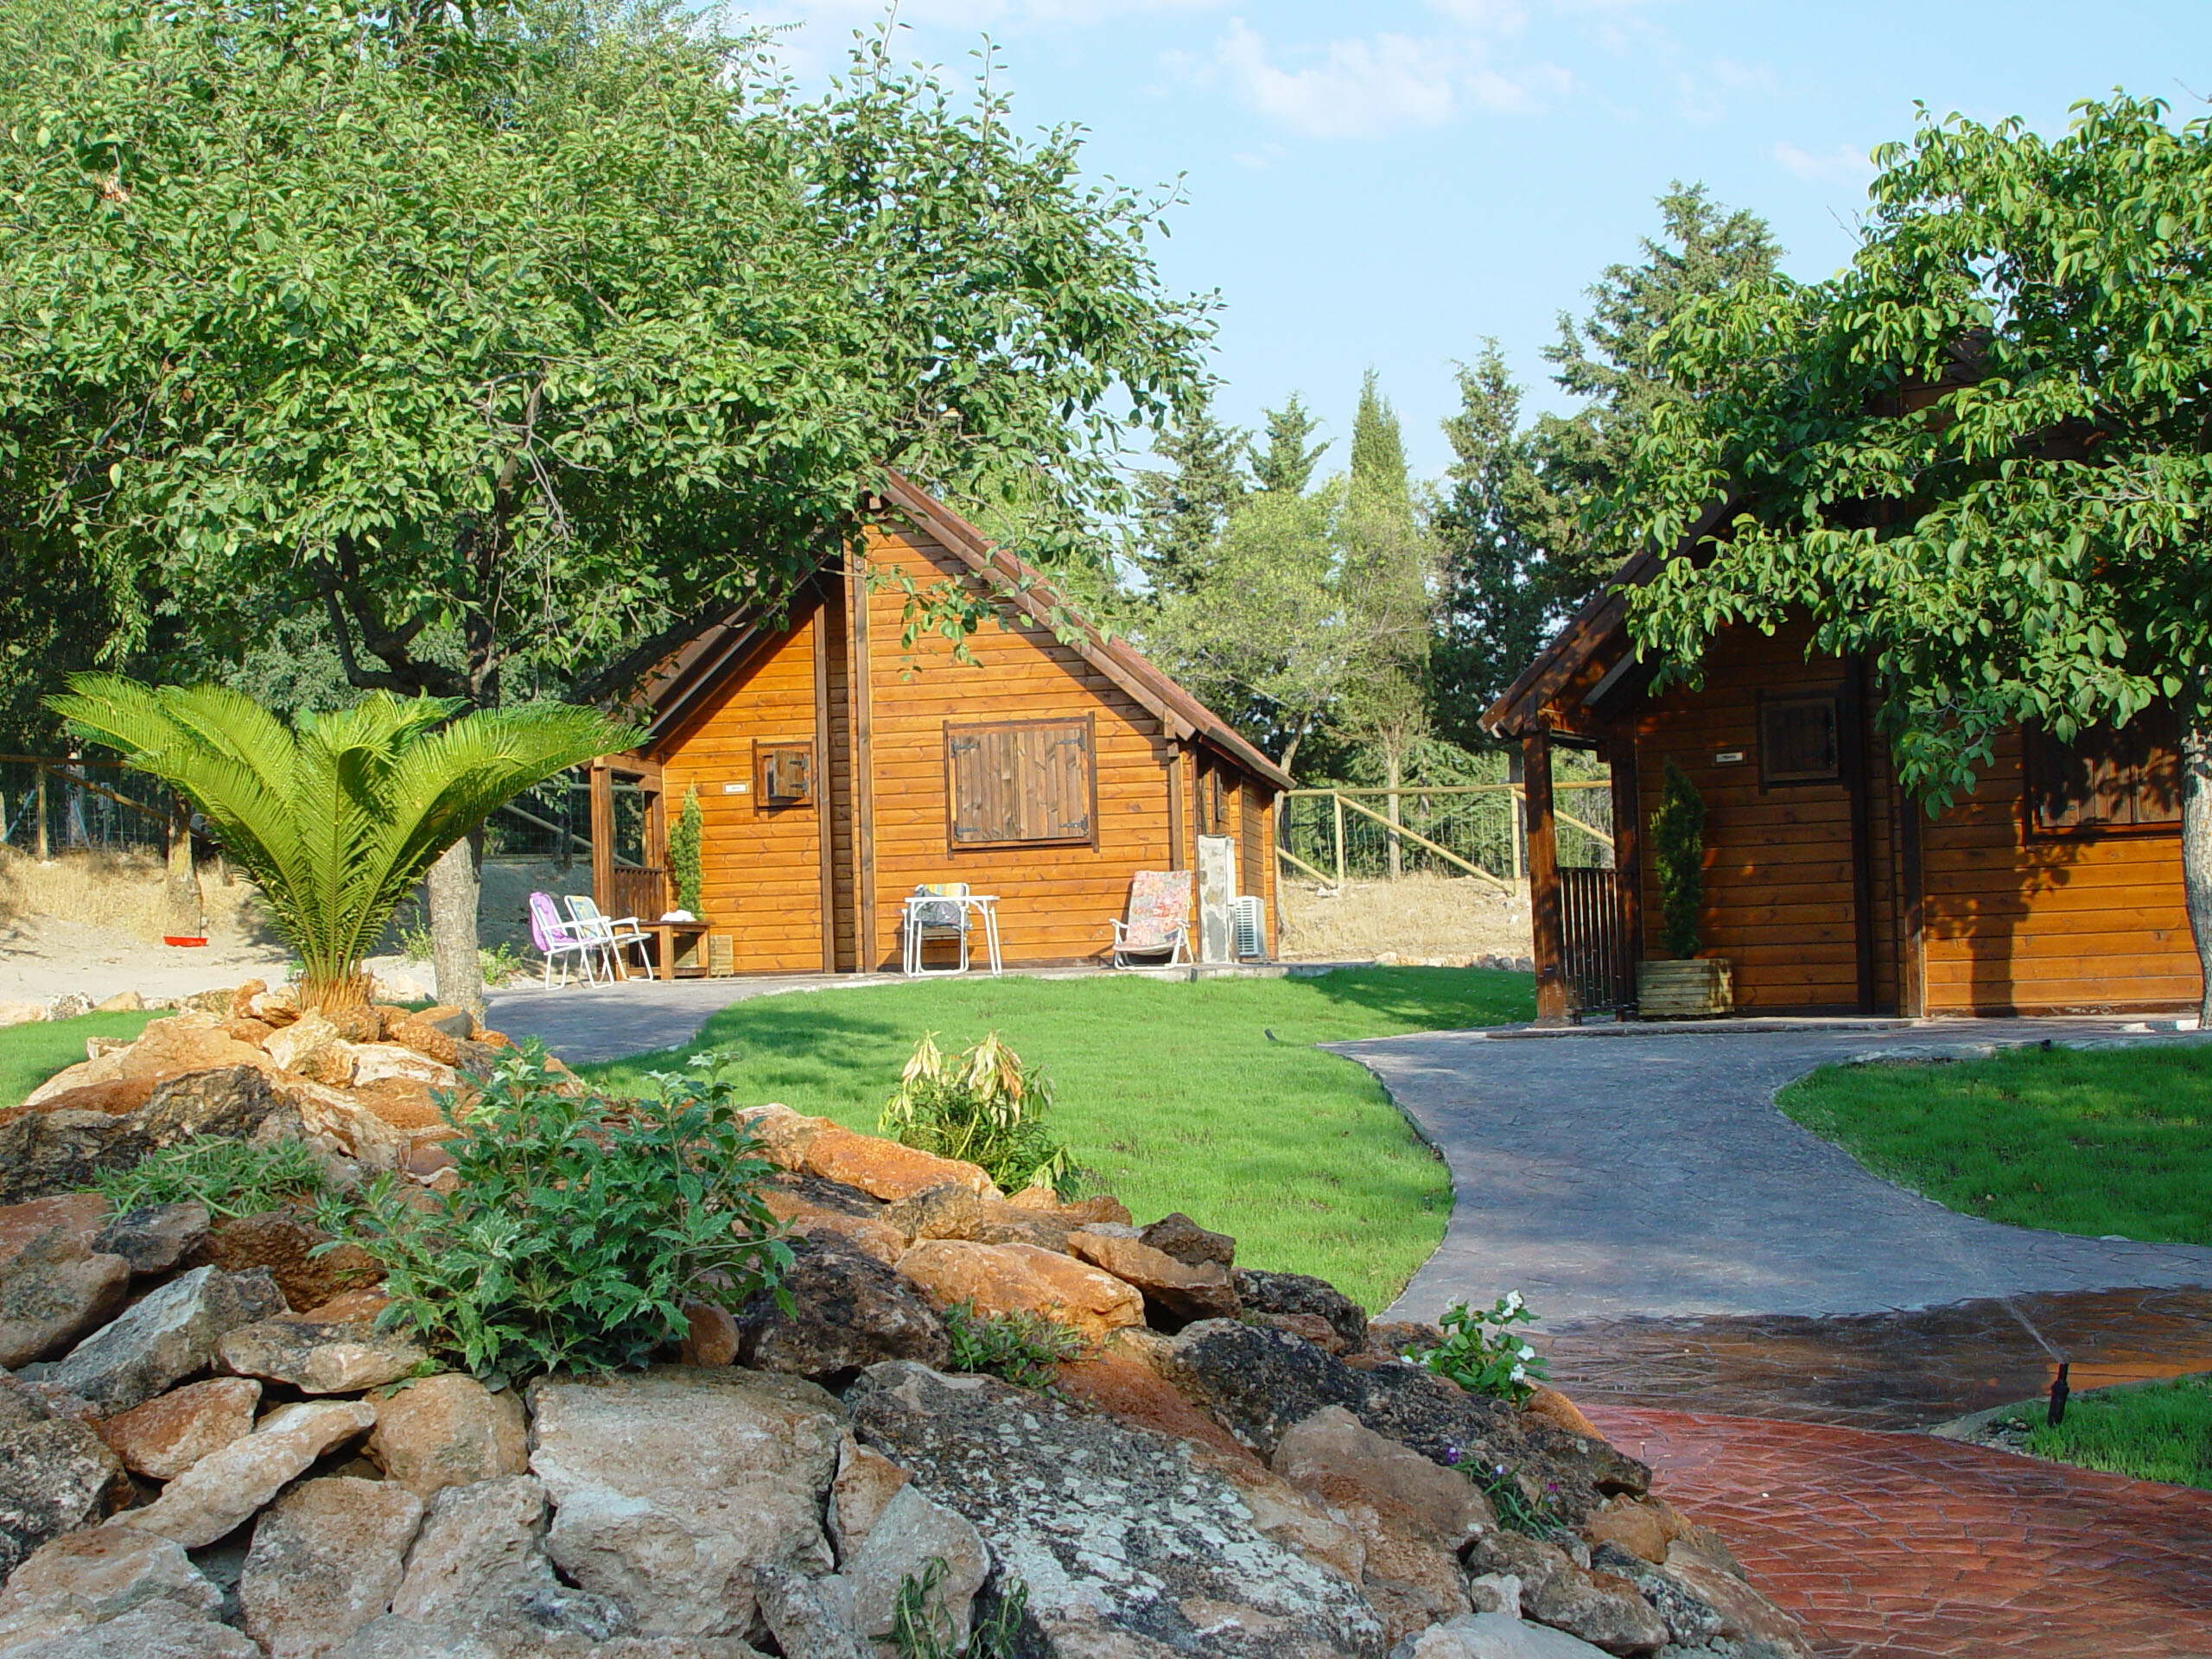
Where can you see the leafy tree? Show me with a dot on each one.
(519, 340)
(1979, 458)
(337, 818)
(1284, 464)
(1181, 513)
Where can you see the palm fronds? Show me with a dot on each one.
(337, 818)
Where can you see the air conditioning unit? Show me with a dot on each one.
(1248, 927)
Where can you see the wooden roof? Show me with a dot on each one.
(710, 657)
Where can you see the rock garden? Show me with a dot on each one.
(370, 1335)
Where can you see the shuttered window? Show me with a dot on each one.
(1800, 741)
(2107, 779)
(1019, 781)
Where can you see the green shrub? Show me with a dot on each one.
(921, 1629)
(1678, 845)
(1481, 1353)
(230, 1176)
(686, 843)
(580, 1225)
(1020, 1348)
(984, 1107)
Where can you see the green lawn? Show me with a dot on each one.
(30, 1054)
(2094, 1141)
(2153, 1431)
(1175, 1094)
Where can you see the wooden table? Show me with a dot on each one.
(677, 948)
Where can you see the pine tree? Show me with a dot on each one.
(1285, 465)
(1182, 512)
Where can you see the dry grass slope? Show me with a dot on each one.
(120, 892)
(1421, 919)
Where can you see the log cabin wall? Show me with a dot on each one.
(2017, 922)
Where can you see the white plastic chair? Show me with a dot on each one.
(935, 912)
(558, 941)
(613, 935)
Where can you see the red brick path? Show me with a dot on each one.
(1907, 1547)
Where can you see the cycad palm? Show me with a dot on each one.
(335, 820)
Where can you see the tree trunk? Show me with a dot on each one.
(182, 889)
(2197, 853)
(453, 888)
(1394, 771)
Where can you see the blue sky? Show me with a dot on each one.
(1384, 184)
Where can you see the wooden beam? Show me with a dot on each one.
(1176, 816)
(1553, 1004)
(860, 716)
(1912, 955)
(602, 833)
(1855, 736)
(818, 640)
(1628, 842)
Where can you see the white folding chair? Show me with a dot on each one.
(559, 942)
(613, 935)
(937, 910)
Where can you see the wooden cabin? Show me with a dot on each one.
(838, 765)
(2054, 888)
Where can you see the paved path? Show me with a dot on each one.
(1650, 1174)
(1906, 1547)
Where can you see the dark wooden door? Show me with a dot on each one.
(1594, 952)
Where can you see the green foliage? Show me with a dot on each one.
(1181, 513)
(337, 818)
(1978, 455)
(580, 1226)
(984, 1107)
(2157, 1431)
(1389, 566)
(1019, 1348)
(392, 314)
(921, 1629)
(1678, 849)
(1481, 1353)
(2073, 1141)
(1284, 464)
(230, 1176)
(686, 841)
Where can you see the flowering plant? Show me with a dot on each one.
(1482, 1353)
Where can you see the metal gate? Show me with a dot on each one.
(1593, 941)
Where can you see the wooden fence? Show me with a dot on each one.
(79, 803)
(1481, 830)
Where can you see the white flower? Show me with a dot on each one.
(1520, 1373)
(1527, 1352)
(1513, 1301)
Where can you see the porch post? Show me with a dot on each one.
(1552, 1007)
(1628, 848)
(602, 833)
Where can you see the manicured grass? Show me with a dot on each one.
(2153, 1431)
(30, 1054)
(2094, 1141)
(1176, 1095)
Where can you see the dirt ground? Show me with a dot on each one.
(1434, 920)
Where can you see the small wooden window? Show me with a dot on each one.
(784, 773)
(2108, 778)
(1022, 781)
(1801, 739)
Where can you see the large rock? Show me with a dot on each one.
(86, 1578)
(448, 1431)
(1176, 1293)
(54, 1285)
(913, 1537)
(1178, 1235)
(165, 1338)
(1601, 1607)
(1493, 1635)
(1702, 1605)
(671, 1486)
(160, 1630)
(809, 1208)
(1129, 1544)
(956, 1211)
(155, 1237)
(806, 1615)
(291, 1248)
(174, 1047)
(345, 1356)
(58, 1146)
(228, 1487)
(847, 1311)
(1302, 1293)
(1022, 1279)
(56, 1474)
(166, 1435)
(886, 1169)
(326, 1559)
(479, 1563)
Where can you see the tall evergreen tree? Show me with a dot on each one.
(1285, 465)
(1181, 512)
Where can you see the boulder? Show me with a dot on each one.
(155, 1237)
(1258, 1382)
(1129, 1544)
(166, 1435)
(1306, 1327)
(342, 1357)
(165, 1338)
(349, 1122)
(1634, 1526)
(310, 1047)
(1601, 1608)
(86, 1578)
(1299, 1293)
(16, 1012)
(1176, 1293)
(1178, 1235)
(167, 1049)
(886, 1169)
(1022, 1279)
(847, 1311)
(807, 1616)
(867, 1482)
(70, 1005)
(375, 1063)
(783, 1134)
(479, 1563)
(813, 1209)
(326, 1559)
(448, 1431)
(286, 1244)
(1549, 1405)
(1492, 1635)
(909, 1534)
(710, 1337)
(59, 1145)
(54, 1285)
(1703, 1605)
(954, 1212)
(121, 1003)
(228, 1487)
(1140, 1398)
(159, 1630)
(59, 1150)
(671, 1486)
(56, 1474)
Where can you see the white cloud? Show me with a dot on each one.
(1704, 95)
(1844, 164)
(1363, 86)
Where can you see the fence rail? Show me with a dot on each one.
(52, 804)
(1479, 830)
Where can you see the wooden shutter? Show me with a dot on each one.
(1019, 781)
(2108, 778)
(1801, 739)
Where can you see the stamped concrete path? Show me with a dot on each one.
(1695, 1249)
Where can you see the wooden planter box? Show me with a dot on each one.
(1695, 989)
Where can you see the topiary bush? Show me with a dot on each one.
(686, 844)
(1678, 845)
(580, 1225)
(984, 1107)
